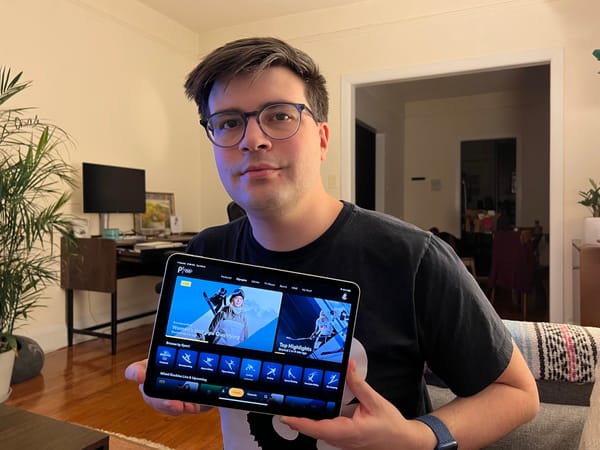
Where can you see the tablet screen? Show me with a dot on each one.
(253, 338)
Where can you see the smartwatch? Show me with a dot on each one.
(445, 441)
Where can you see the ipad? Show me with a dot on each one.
(253, 338)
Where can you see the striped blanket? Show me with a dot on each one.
(557, 352)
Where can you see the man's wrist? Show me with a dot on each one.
(445, 440)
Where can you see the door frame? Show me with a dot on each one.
(560, 299)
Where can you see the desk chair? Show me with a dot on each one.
(234, 211)
(513, 266)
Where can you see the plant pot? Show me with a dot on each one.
(30, 360)
(591, 230)
(7, 361)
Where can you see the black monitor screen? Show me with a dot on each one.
(111, 189)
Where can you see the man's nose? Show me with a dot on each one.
(254, 138)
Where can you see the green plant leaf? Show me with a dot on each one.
(34, 181)
(591, 198)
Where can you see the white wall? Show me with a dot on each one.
(434, 130)
(387, 120)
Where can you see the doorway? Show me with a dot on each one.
(488, 178)
(561, 306)
(364, 180)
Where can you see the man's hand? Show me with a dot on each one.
(376, 423)
(137, 372)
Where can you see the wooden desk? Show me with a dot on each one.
(21, 429)
(95, 264)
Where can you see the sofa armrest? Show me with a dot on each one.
(590, 437)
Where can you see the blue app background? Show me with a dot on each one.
(191, 313)
(297, 332)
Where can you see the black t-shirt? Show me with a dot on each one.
(418, 304)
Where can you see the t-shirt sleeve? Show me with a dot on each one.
(463, 340)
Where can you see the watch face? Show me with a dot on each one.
(452, 445)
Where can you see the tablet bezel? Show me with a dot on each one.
(218, 389)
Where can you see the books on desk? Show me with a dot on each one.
(151, 245)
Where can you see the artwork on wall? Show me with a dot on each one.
(160, 206)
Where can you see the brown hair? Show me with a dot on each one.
(255, 55)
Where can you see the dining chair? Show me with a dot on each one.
(513, 266)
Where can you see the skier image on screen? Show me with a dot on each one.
(217, 300)
(229, 324)
(323, 330)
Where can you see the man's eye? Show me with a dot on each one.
(227, 123)
(231, 123)
(278, 116)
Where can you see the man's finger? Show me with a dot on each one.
(366, 395)
(137, 371)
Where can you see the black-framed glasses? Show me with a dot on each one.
(277, 121)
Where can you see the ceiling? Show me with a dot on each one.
(202, 15)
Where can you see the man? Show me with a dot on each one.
(264, 106)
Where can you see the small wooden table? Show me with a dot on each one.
(20, 429)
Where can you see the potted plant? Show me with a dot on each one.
(591, 225)
(33, 177)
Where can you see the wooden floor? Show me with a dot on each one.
(86, 385)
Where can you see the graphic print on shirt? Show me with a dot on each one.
(269, 436)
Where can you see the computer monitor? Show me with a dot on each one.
(112, 189)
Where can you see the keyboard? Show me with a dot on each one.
(151, 245)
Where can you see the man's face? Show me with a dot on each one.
(237, 301)
(262, 174)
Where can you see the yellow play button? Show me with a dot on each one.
(236, 392)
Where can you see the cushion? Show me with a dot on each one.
(555, 426)
(557, 351)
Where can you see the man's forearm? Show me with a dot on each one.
(487, 416)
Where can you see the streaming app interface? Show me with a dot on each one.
(252, 338)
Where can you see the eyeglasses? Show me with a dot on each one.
(277, 121)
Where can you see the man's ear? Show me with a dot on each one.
(324, 137)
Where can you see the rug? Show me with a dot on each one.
(119, 441)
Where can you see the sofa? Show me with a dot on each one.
(563, 360)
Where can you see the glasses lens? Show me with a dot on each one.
(226, 129)
(280, 121)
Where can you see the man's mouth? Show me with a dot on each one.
(258, 169)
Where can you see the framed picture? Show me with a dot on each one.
(160, 206)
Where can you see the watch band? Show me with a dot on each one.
(445, 440)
